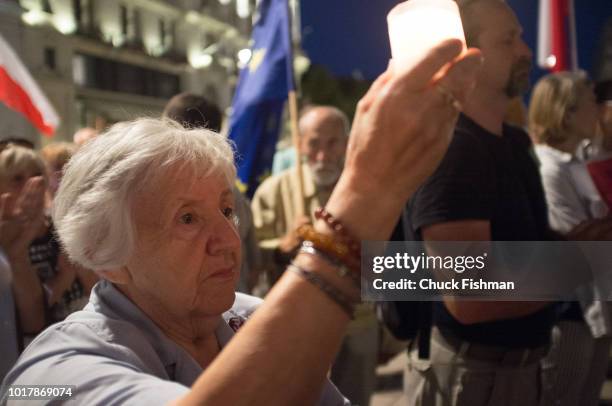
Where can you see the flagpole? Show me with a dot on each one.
(295, 129)
(295, 137)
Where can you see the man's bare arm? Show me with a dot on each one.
(471, 312)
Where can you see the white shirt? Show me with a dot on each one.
(571, 195)
(572, 198)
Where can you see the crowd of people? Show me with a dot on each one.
(130, 263)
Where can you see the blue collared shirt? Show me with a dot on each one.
(8, 324)
(114, 354)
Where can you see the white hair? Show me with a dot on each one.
(93, 206)
(331, 111)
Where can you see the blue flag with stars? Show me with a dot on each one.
(257, 107)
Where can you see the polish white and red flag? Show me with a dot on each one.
(557, 36)
(20, 92)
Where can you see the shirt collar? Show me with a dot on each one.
(547, 153)
(465, 123)
(106, 299)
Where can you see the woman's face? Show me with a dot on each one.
(15, 181)
(584, 118)
(187, 256)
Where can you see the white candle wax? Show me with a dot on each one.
(416, 26)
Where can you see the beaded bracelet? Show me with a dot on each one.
(338, 228)
(308, 247)
(334, 294)
(331, 246)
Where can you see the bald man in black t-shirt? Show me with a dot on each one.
(486, 188)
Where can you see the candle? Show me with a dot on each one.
(416, 26)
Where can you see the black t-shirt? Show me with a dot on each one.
(487, 177)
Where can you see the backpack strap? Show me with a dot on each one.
(425, 322)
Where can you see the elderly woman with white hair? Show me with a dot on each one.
(148, 205)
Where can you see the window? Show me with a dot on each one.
(49, 57)
(137, 26)
(125, 22)
(162, 32)
(129, 24)
(46, 6)
(83, 14)
(77, 10)
(172, 39)
(104, 74)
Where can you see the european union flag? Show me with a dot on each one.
(261, 93)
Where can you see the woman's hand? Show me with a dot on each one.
(21, 218)
(401, 131)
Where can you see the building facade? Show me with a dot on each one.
(102, 61)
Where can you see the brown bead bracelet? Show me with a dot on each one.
(331, 246)
(337, 227)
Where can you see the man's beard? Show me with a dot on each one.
(518, 82)
(324, 175)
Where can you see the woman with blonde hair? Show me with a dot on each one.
(562, 116)
(22, 194)
(65, 286)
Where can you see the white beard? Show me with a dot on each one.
(325, 175)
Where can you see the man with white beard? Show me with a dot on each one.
(276, 203)
(323, 139)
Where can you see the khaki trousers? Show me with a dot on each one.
(450, 378)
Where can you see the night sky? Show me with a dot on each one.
(350, 37)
